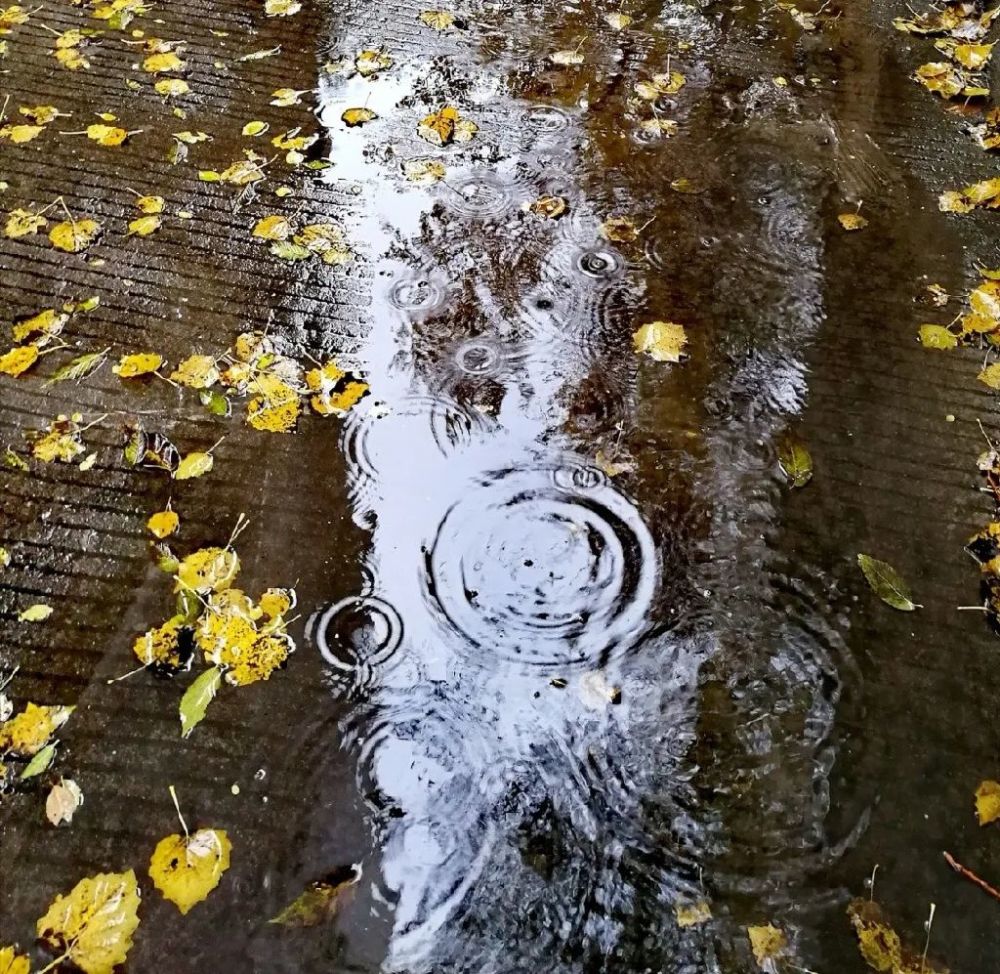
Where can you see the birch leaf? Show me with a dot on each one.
(185, 869)
(93, 924)
(194, 465)
(163, 524)
(143, 226)
(767, 944)
(196, 699)
(35, 613)
(319, 901)
(39, 763)
(662, 341)
(19, 359)
(886, 583)
(134, 366)
(353, 117)
(74, 235)
(61, 805)
(937, 336)
(11, 963)
(796, 463)
(988, 802)
(109, 135)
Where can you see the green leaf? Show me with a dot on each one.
(215, 402)
(196, 699)
(320, 901)
(887, 584)
(39, 762)
(79, 368)
(796, 463)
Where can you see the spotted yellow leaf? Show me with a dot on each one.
(22, 223)
(852, 221)
(660, 85)
(132, 366)
(143, 226)
(109, 135)
(438, 19)
(276, 409)
(163, 524)
(284, 97)
(357, 116)
(208, 570)
(273, 227)
(281, 8)
(370, 62)
(150, 204)
(74, 236)
(21, 133)
(445, 126)
(988, 802)
(171, 87)
(27, 733)
(196, 372)
(767, 944)
(186, 868)
(19, 359)
(424, 172)
(10, 962)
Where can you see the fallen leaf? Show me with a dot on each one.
(27, 733)
(357, 116)
(143, 226)
(660, 85)
(692, 914)
(886, 583)
(196, 699)
(79, 367)
(163, 62)
(320, 901)
(208, 570)
(617, 20)
(11, 963)
(424, 172)
(22, 223)
(108, 135)
(445, 126)
(991, 375)
(881, 946)
(196, 372)
(93, 924)
(619, 229)
(186, 868)
(39, 763)
(334, 391)
(284, 97)
(281, 8)
(437, 19)
(852, 221)
(369, 63)
(134, 366)
(566, 58)
(35, 613)
(663, 341)
(194, 465)
(988, 802)
(660, 127)
(74, 235)
(167, 648)
(937, 336)
(150, 204)
(796, 463)
(18, 360)
(767, 944)
(21, 133)
(163, 524)
(547, 207)
(171, 87)
(61, 805)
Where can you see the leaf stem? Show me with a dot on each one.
(173, 795)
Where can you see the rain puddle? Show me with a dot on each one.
(590, 685)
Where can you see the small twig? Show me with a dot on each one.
(173, 795)
(971, 876)
(927, 942)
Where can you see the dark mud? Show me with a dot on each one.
(539, 705)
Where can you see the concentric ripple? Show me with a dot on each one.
(540, 568)
(482, 196)
(357, 636)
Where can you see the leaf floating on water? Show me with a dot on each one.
(985, 194)
(93, 924)
(166, 648)
(617, 21)
(185, 869)
(354, 117)
(988, 802)
(852, 221)
(27, 733)
(437, 19)
(277, 407)
(796, 463)
(284, 97)
(281, 8)
(163, 524)
(547, 207)
(74, 235)
(660, 85)
(619, 229)
(880, 945)
(692, 914)
(659, 127)
(937, 336)
(886, 583)
(445, 126)
(38, 612)
(208, 570)
(321, 900)
(334, 391)
(61, 805)
(20, 134)
(567, 58)
(134, 366)
(196, 699)
(370, 62)
(662, 341)
(768, 943)
(424, 172)
(611, 466)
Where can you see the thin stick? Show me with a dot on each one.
(971, 876)
(871, 885)
(927, 942)
(173, 795)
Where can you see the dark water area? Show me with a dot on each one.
(542, 703)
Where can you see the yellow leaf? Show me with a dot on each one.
(549, 207)
(150, 204)
(196, 372)
(267, 654)
(276, 409)
(274, 227)
(162, 646)
(991, 375)
(11, 963)
(185, 869)
(566, 58)
(357, 116)
(438, 19)
(255, 128)
(207, 570)
(171, 87)
(106, 134)
(767, 943)
(663, 341)
(370, 62)
(11, 17)
(46, 324)
(283, 97)
(132, 366)
(27, 733)
(164, 61)
(619, 229)
(692, 914)
(325, 239)
(879, 944)
(74, 236)
(20, 133)
(424, 172)
(660, 85)
(988, 802)
(163, 524)
(93, 924)
(276, 602)
(143, 226)
(281, 8)
(937, 336)
(617, 21)
(35, 613)
(444, 126)
(71, 58)
(973, 56)
(335, 391)
(21, 223)
(852, 221)
(665, 127)
(239, 173)
(19, 359)
(194, 465)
